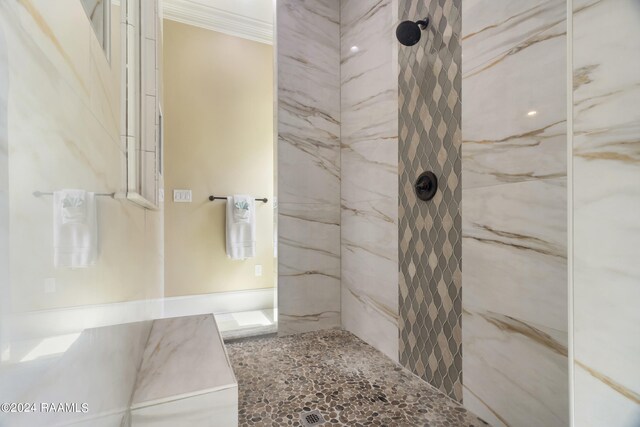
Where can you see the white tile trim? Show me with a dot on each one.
(46, 323)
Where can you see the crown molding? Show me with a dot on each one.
(212, 18)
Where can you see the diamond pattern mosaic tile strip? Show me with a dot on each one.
(430, 232)
(349, 382)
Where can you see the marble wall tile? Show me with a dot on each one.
(430, 302)
(514, 109)
(514, 251)
(515, 373)
(369, 172)
(308, 267)
(606, 202)
(515, 301)
(514, 212)
(308, 153)
(308, 40)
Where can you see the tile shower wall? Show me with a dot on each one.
(430, 232)
(606, 202)
(369, 172)
(514, 211)
(308, 153)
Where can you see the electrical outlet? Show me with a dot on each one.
(258, 270)
(49, 285)
(182, 196)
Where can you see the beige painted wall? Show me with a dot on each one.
(64, 132)
(218, 140)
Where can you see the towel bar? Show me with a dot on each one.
(212, 198)
(40, 194)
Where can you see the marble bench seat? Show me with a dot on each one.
(185, 377)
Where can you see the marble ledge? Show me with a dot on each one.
(184, 357)
(84, 373)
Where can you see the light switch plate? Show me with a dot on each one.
(182, 196)
(258, 270)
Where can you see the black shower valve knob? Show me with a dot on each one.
(426, 186)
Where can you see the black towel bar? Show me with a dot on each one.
(212, 198)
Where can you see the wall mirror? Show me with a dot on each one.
(141, 97)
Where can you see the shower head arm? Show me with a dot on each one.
(424, 23)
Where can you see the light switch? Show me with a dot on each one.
(182, 196)
(258, 270)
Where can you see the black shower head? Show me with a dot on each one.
(408, 32)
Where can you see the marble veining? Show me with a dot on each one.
(606, 200)
(308, 267)
(85, 373)
(184, 356)
(514, 212)
(369, 172)
(515, 372)
(308, 102)
(513, 46)
(514, 250)
(309, 172)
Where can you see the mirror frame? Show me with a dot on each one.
(140, 128)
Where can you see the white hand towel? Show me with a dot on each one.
(241, 227)
(75, 229)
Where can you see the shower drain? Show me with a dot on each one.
(310, 419)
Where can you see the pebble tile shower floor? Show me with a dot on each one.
(347, 380)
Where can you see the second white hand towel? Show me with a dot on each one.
(241, 227)
(75, 229)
